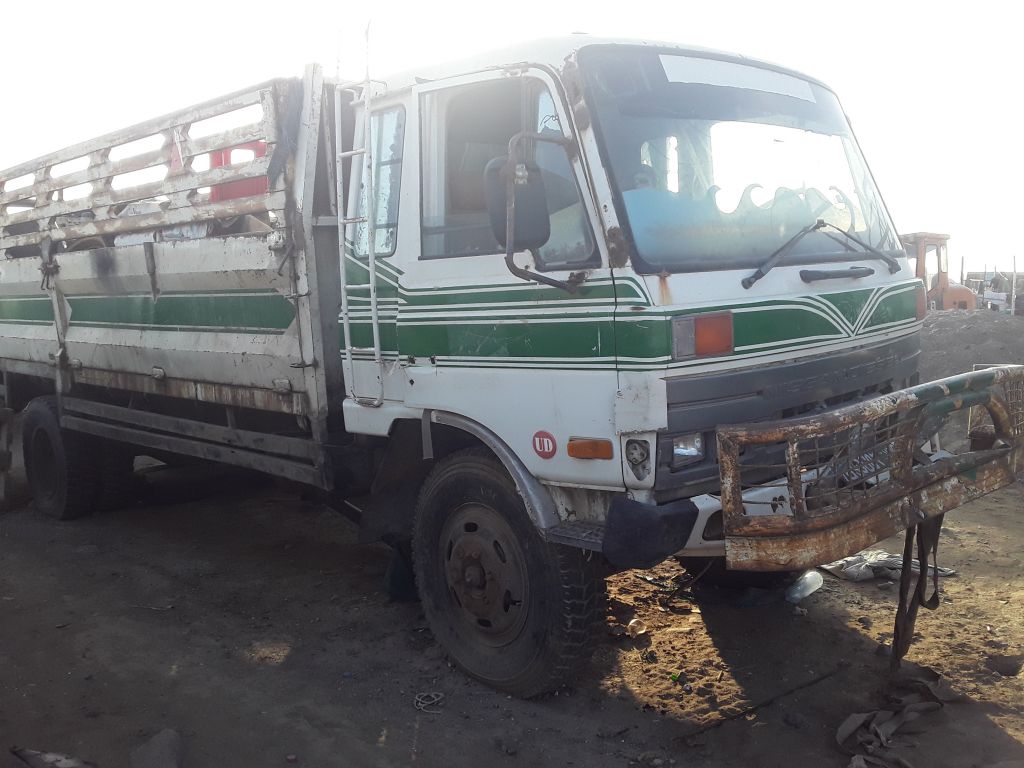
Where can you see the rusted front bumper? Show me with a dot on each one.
(855, 475)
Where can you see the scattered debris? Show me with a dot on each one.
(424, 701)
(36, 759)
(161, 751)
(1007, 666)
(876, 564)
(872, 738)
(664, 585)
(636, 627)
(808, 583)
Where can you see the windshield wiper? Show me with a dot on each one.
(892, 262)
(780, 253)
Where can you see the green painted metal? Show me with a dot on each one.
(510, 323)
(228, 312)
(849, 303)
(29, 310)
(536, 324)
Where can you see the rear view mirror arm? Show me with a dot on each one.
(512, 172)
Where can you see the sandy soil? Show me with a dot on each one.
(257, 626)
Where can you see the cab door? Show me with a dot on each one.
(519, 356)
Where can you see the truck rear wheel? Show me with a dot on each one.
(512, 610)
(62, 466)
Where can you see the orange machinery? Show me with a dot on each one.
(928, 254)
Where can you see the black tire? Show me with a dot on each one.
(62, 466)
(513, 611)
(117, 476)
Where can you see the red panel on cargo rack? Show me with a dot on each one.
(244, 188)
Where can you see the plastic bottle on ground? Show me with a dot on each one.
(809, 582)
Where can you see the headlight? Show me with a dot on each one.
(687, 449)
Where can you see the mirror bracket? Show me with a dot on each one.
(518, 174)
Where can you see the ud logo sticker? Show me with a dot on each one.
(544, 444)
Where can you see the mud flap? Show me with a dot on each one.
(642, 535)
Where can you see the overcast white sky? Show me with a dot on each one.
(933, 88)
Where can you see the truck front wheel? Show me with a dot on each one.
(62, 466)
(511, 610)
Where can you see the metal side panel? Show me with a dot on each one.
(27, 331)
(144, 437)
(175, 317)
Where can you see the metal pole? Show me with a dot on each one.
(1013, 287)
(371, 225)
(348, 369)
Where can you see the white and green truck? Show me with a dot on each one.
(569, 308)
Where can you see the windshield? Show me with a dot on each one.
(716, 164)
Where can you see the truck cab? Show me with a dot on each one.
(665, 178)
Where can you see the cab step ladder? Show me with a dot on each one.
(364, 92)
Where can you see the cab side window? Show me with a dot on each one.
(387, 129)
(463, 129)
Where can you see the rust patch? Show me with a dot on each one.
(618, 251)
(223, 394)
(664, 289)
(828, 519)
(794, 551)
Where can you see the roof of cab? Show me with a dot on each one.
(553, 52)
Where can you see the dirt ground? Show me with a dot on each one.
(255, 625)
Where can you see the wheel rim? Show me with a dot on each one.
(42, 465)
(486, 574)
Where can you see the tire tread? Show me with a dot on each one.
(580, 583)
(81, 467)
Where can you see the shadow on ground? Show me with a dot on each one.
(254, 624)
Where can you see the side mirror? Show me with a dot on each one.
(532, 223)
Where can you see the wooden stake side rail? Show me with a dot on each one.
(86, 203)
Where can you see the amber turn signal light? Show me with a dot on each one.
(712, 334)
(589, 448)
